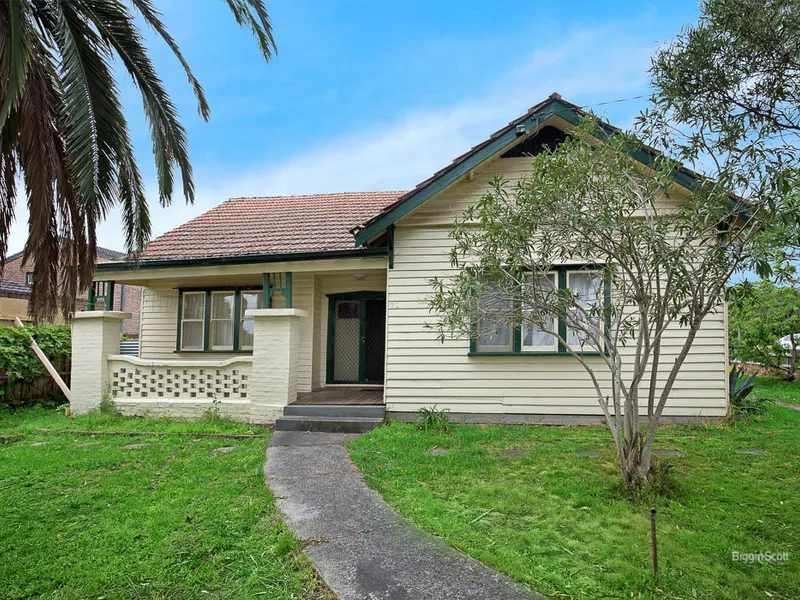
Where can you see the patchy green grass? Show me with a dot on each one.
(86, 517)
(559, 523)
(778, 390)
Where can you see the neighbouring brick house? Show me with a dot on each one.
(17, 279)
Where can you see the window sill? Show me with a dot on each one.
(471, 354)
(212, 352)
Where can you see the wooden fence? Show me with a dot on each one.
(42, 388)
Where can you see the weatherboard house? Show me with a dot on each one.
(287, 308)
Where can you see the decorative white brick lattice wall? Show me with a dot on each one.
(207, 380)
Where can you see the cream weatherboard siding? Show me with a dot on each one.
(423, 371)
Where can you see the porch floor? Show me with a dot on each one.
(341, 396)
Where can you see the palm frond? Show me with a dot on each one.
(16, 59)
(170, 147)
(153, 18)
(259, 23)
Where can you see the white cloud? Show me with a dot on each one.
(587, 67)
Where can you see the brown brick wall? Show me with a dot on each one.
(127, 298)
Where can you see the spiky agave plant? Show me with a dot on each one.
(64, 134)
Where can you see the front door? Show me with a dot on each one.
(356, 337)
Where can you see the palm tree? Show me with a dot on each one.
(64, 135)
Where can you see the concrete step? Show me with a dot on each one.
(328, 424)
(344, 411)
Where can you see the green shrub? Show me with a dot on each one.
(19, 364)
(431, 419)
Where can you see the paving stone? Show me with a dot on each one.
(223, 449)
(436, 451)
(588, 452)
(750, 451)
(663, 452)
(131, 446)
(515, 453)
(38, 443)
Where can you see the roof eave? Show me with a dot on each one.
(170, 263)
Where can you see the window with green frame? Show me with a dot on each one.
(501, 339)
(214, 320)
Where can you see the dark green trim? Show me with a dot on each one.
(207, 326)
(331, 340)
(357, 295)
(237, 313)
(245, 352)
(531, 354)
(390, 245)
(287, 289)
(265, 295)
(239, 260)
(180, 320)
(506, 137)
(361, 297)
(221, 288)
(562, 326)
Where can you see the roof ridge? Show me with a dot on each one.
(374, 192)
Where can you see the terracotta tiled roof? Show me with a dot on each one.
(272, 225)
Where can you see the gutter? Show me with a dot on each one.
(171, 263)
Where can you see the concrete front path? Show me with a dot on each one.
(360, 546)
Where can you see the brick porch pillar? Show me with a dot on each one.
(276, 342)
(95, 335)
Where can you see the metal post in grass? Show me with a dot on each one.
(653, 540)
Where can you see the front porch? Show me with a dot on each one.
(242, 343)
(341, 396)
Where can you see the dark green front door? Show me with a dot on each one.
(356, 337)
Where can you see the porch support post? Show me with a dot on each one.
(95, 335)
(276, 342)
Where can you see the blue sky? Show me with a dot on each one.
(372, 95)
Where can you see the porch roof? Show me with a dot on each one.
(261, 227)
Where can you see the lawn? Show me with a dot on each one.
(527, 501)
(778, 390)
(142, 516)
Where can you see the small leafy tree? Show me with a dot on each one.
(727, 102)
(664, 256)
(763, 314)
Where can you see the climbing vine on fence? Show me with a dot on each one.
(18, 363)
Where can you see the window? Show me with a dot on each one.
(493, 334)
(193, 315)
(534, 338)
(588, 286)
(222, 316)
(29, 278)
(249, 300)
(495, 337)
(215, 321)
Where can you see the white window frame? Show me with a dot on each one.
(212, 320)
(523, 330)
(242, 316)
(600, 298)
(201, 320)
(490, 348)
